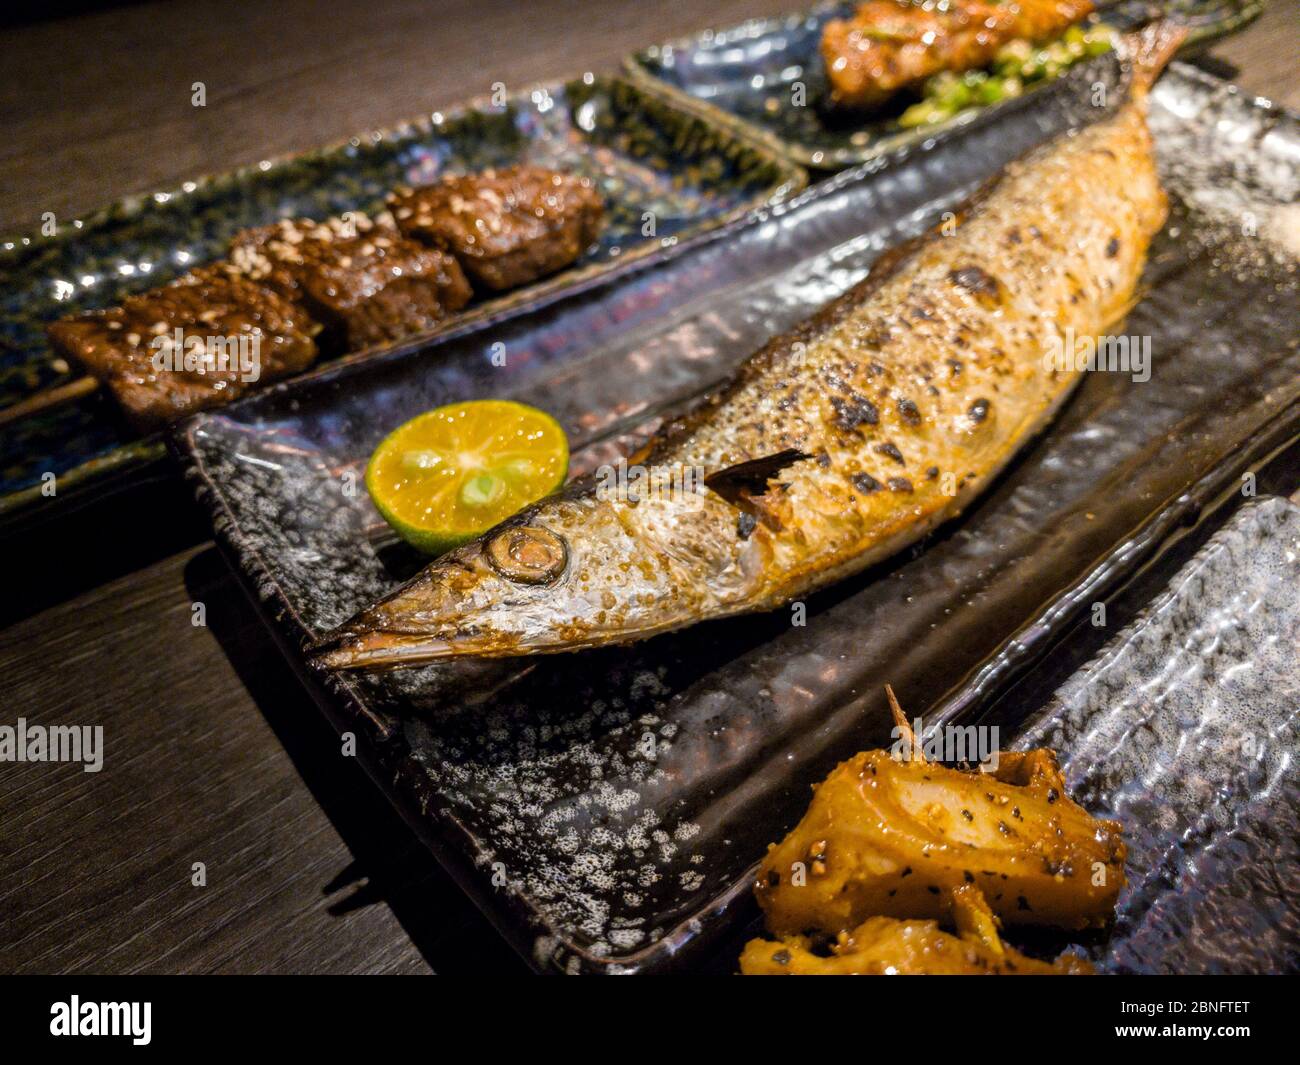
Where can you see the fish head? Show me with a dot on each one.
(573, 571)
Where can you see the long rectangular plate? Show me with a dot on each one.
(1184, 729)
(766, 78)
(606, 808)
(665, 174)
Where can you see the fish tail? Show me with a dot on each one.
(1151, 49)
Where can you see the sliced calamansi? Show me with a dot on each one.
(452, 473)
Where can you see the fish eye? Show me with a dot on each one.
(528, 554)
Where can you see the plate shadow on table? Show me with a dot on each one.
(390, 865)
(78, 545)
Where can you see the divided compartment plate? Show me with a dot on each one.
(620, 798)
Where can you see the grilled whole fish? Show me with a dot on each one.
(836, 444)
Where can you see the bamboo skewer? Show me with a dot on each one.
(48, 398)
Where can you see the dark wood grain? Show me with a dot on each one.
(213, 753)
(1262, 58)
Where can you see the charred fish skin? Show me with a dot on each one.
(907, 395)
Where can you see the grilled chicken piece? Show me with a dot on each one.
(895, 838)
(885, 946)
(889, 45)
(506, 227)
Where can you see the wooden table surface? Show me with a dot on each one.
(213, 753)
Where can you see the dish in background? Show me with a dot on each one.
(744, 76)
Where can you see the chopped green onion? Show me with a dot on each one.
(925, 113)
(1016, 52)
(992, 90)
(1016, 63)
(1058, 53)
(1100, 43)
(948, 91)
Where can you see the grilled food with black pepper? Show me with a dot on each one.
(895, 837)
(886, 946)
(362, 280)
(505, 227)
(204, 340)
(300, 288)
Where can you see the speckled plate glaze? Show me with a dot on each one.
(606, 809)
(645, 154)
(1185, 729)
(744, 76)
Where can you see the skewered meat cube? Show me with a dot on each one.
(506, 227)
(344, 284)
(199, 342)
(364, 282)
(888, 45)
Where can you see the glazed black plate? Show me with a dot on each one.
(606, 808)
(647, 156)
(1184, 729)
(745, 76)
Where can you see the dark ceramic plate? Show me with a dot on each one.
(745, 77)
(606, 808)
(1185, 729)
(645, 154)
